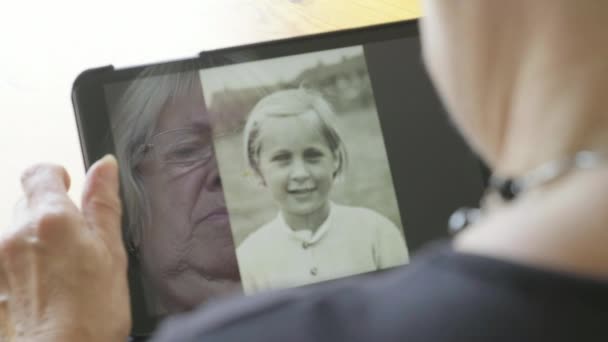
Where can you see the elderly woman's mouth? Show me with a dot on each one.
(217, 214)
(221, 272)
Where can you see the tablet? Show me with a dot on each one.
(275, 165)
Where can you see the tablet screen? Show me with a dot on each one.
(254, 171)
(304, 168)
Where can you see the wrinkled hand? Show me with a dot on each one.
(63, 270)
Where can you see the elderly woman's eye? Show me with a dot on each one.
(184, 153)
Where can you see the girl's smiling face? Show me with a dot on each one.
(296, 163)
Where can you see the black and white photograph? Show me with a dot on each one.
(304, 168)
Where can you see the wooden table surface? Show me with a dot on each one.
(271, 19)
(64, 37)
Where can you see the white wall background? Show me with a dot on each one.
(44, 45)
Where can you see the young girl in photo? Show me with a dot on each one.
(295, 150)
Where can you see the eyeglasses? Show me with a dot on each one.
(181, 147)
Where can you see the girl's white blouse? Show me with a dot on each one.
(351, 241)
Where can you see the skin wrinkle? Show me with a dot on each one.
(37, 290)
(28, 268)
(182, 266)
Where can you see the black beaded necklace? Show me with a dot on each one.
(509, 189)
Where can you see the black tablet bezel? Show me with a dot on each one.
(90, 105)
(88, 92)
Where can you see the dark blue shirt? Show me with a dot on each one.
(442, 296)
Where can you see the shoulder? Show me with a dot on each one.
(294, 315)
(287, 315)
(352, 211)
(422, 302)
(260, 237)
(365, 217)
(299, 314)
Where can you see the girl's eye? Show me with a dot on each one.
(313, 154)
(282, 157)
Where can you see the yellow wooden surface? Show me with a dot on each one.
(270, 19)
(49, 46)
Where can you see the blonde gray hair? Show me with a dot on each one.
(289, 103)
(134, 122)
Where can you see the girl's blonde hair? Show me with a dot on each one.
(290, 103)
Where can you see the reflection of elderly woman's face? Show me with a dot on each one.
(187, 249)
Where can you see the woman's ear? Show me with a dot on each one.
(133, 241)
(262, 181)
(260, 177)
(255, 176)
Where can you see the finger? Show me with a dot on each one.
(45, 181)
(6, 324)
(101, 202)
(48, 214)
(19, 266)
(19, 218)
(9, 249)
(4, 292)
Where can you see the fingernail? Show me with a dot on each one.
(109, 158)
(109, 168)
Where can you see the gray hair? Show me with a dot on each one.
(134, 122)
(289, 103)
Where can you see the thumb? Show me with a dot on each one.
(101, 202)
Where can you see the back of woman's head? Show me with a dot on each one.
(496, 62)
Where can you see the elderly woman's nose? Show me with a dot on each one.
(212, 181)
